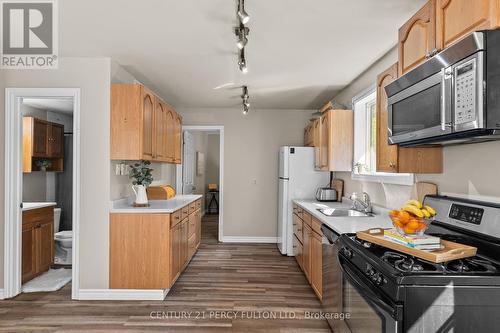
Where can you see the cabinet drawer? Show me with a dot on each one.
(175, 218)
(198, 204)
(295, 209)
(192, 207)
(316, 226)
(38, 215)
(184, 212)
(306, 217)
(297, 227)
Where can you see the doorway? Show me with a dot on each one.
(41, 190)
(202, 173)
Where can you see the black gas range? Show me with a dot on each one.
(395, 292)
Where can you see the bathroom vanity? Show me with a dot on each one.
(37, 239)
(150, 247)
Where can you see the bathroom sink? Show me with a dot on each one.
(339, 212)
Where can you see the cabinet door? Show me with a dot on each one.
(40, 138)
(178, 139)
(148, 119)
(317, 264)
(316, 142)
(417, 37)
(45, 245)
(457, 18)
(160, 132)
(170, 120)
(306, 250)
(175, 252)
(28, 262)
(387, 155)
(324, 141)
(56, 140)
(184, 242)
(297, 251)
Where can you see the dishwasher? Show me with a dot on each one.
(332, 280)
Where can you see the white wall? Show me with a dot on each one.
(469, 170)
(92, 76)
(251, 145)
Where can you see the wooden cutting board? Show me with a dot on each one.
(421, 189)
(338, 185)
(450, 250)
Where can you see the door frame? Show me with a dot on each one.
(14, 183)
(220, 130)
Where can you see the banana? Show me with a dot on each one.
(426, 213)
(431, 210)
(414, 210)
(415, 203)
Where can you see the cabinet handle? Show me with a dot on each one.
(392, 164)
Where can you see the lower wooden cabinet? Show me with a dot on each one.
(37, 240)
(150, 251)
(307, 245)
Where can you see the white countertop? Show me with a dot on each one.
(344, 225)
(36, 205)
(155, 206)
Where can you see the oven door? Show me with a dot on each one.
(422, 110)
(368, 309)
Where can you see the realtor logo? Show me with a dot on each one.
(29, 34)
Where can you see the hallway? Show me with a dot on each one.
(226, 288)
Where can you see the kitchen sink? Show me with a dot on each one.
(339, 212)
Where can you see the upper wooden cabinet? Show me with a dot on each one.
(335, 146)
(417, 38)
(42, 140)
(178, 139)
(457, 18)
(142, 125)
(392, 158)
(440, 23)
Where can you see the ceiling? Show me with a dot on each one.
(59, 105)
(300, 52)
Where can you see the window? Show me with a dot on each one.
(365, 142)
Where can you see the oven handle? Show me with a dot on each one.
(395, 310)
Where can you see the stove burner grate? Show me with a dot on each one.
(470, 266)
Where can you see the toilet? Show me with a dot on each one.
(63, 241)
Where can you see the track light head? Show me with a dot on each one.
(242, 63)
(246, 108)
(245, 97)
(242, 33)
(242, 14)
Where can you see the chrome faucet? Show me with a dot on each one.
(361, 202)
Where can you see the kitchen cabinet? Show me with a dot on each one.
(42, 140)
(307, 245)
(457, 18)
(309, 135)
(417, 38)
(37, 242)
(150, 251)
(143, 127)
(335, 140)
(395, 159)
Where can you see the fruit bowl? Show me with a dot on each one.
(410, 227)
(412, 219)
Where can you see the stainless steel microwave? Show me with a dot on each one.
(452, 98)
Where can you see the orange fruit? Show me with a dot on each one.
(413, 224)
(394, 213)
(398, 223)
(409, 230)
(404, 216)
(421, 226)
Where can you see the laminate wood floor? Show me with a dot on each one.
(226, 288)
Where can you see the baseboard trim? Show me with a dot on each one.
(244, 239)
(122, 294)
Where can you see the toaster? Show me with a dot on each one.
(326, 194)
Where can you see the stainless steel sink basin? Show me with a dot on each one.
(342, 212)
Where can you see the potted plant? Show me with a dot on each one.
(143, 177)
(43, 164)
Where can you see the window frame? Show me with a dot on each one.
(378, 177)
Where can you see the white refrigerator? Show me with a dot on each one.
(297, 180)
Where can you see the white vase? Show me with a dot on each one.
(141, 197)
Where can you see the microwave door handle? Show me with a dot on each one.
(445, 85)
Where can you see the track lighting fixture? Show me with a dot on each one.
(242, 63)
(245, 97)
(242, 33)
(242, 14)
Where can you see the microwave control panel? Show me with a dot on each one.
(465, 92)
